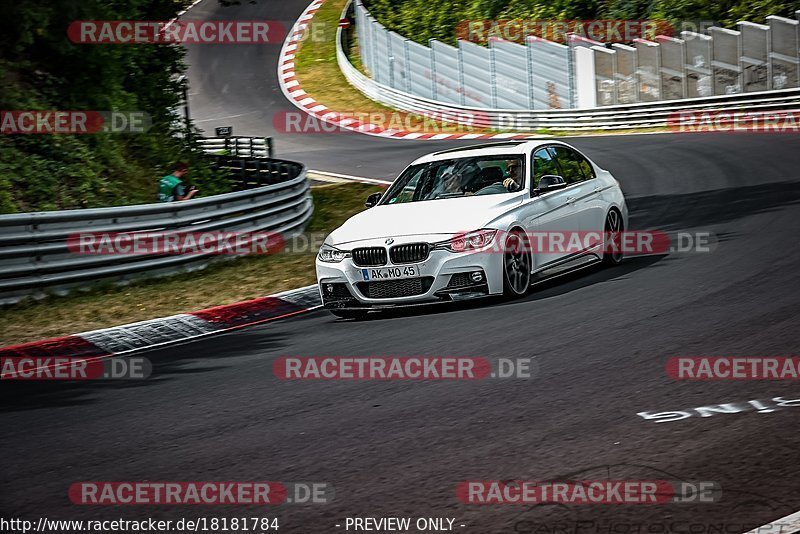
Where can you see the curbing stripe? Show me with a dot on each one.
(286, 57)
(247, 312)
(143, 335)
(67, 346)
(305, 296)
(785, 525)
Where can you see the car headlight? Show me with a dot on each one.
(330, 254)
(477, 240)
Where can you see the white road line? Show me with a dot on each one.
(181, 13)
(784, 525)
(349, 177)
(225, 117)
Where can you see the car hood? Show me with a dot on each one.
(445, 216)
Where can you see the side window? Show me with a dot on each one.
(543, 163)
(574, 167)
(586, 167)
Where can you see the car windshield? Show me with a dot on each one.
(457, 177)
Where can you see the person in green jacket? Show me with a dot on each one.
(171, 187)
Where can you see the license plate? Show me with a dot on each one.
(390, 273)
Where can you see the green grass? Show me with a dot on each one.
(319, 75)
(222, 282)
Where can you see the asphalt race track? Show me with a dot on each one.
(214, 410)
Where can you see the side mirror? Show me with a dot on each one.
(372, 199)
(550, 182)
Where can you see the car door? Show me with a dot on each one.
(584, 193)
(549, 215)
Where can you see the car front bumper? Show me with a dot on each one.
(443, 276)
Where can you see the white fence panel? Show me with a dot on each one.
(476, 67)
(550, 74)
(447, 73)
(725, 61)
(420, 76)
(698, 65)
(511, 74)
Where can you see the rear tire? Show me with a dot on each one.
(516, 265)
(349, 314)
(612, 238)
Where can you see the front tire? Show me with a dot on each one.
(516, 265)
(612, 238)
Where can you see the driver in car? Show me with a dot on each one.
(512, 179)
(506, 182)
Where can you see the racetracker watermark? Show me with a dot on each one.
(299, 122)
(733, 368)
(176, 32)
(402, 368)
(629, 243)
(179, 243)
(320, 31)
(603, 31)
(734, 121)
(200, 493)
(73, 122)
(61, 368)
(587, 492)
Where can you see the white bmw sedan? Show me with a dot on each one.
(469, 222)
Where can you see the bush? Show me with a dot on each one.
(421, 20)
(41, 69)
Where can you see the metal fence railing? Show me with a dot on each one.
(257, 147)
(35, 256)
(643, 114)
(250, 172)
(538, 74)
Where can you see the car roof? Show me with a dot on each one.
(488, 149)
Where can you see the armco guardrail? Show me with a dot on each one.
(35, 258)
(628, 116)
(257, 147)
(247, 160)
